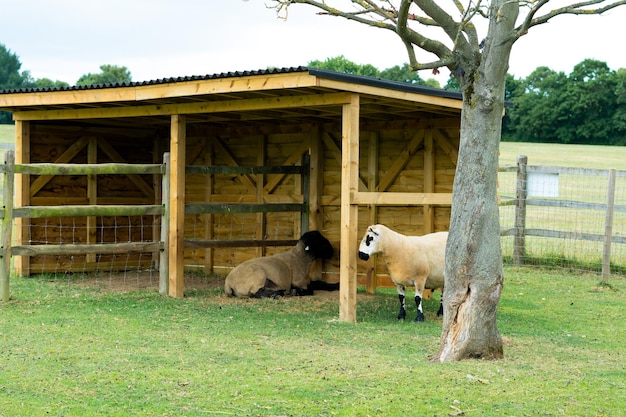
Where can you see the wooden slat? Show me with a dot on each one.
(274, 180)
(229, 158)
(87, 169)
(240, 170)
(139, 182)
(399, 164)
(77, 249)
(246, 243)
(429, 180)
(445, 143)
(336, 151)
(42, 212)
(403, 199)
(66, 156)
(92, 194)
(218, 208)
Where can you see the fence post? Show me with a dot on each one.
(7, 223)
(519, 249)
(608, 227)
(164, 276)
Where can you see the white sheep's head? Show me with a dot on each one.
(369, 243)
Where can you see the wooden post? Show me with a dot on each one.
(208, 197)
(92, 195)
(429, 180)
(316, 184)
(305, 184)
(22, 195)
(260, 183)
(349, 210)
(157, 184)
(519, 249)
(608, 227)
(371, 279)
(177, 207)
(165, 219)
(5, 256)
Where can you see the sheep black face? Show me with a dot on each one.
(316, 245)
(368, 244)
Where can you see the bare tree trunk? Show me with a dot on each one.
(474, 275)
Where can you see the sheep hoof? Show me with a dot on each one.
(419, 318)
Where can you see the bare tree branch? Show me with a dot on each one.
(581, 8)
(390, 19)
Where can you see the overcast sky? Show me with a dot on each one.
(64, 39)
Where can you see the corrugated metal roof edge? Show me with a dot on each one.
(358, 79)
(167, 80)
(380, 82)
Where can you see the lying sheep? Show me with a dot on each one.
(285, 273)
(411, 260)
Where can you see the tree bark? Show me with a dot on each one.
(474, 275)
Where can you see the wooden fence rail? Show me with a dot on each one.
(9, 212)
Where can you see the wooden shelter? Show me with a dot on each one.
(376, 151)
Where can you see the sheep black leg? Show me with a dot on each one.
(402, 313)
(420, 313)
(440, 311)
(268, 293)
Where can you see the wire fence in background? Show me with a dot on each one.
(568, 218)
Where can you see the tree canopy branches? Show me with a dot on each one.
(411, 19)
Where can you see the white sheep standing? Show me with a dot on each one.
(285, 273)
(411, 260)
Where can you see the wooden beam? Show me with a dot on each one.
(165, 90)
(431, 101)
(230, 159)
(81, 249)
(371, 279)
(429, 180)
(177, 207)
(295, 157)
(92, 195)
(336, 151)
(209, 159)
(445, 143)
(260, 180)
(403, 199)
(139, 182)
(66, 156)
(349, 210)
(224, 106)
(399, 164)
(316, 174)
(316, 185)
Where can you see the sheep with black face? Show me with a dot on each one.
(417, 261)
(283, 273)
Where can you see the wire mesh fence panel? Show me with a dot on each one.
(562, 220)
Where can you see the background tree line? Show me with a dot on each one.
(12, 77)
(587, 106)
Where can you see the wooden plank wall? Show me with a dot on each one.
(405, 157)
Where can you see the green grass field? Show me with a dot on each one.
(7, 133)
(69, 349)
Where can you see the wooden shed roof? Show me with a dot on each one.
(296, 95)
